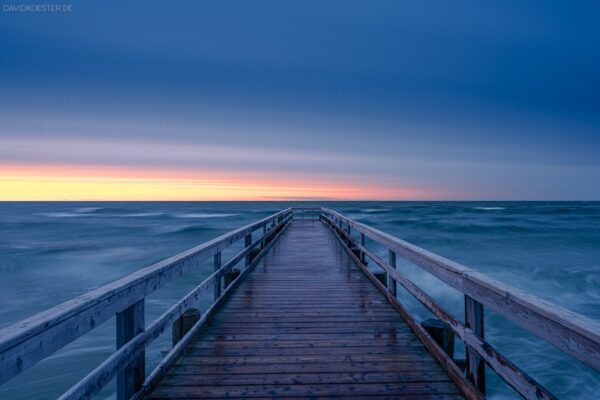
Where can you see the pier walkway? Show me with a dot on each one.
(311, 306)
(305, 323)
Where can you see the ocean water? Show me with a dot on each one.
(52, 252)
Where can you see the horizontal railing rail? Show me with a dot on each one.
(306, 213)
(571, 333)
(26, 343)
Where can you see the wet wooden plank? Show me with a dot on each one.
(368, 397)
(331, 343)
(301, 358)
(306, 323)
(351, 367)
(304, 378)
(280, 351)
(572, 333)
(317, 390)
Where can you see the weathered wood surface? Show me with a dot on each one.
(184, 324)
(165, 365)
(430, 344)
(475, 366)
(130, 323)
(514, 376)
(305, 323)
(570, 332)
(441, 333)
(103, 374)
(29, 341)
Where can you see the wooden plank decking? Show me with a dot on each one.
(306, 323)
(304, 319)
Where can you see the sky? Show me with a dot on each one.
(301, 100)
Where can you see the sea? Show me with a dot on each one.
(51, 252)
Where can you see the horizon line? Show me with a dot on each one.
(305, 201)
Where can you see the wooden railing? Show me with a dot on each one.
(571, 333)
(26, 343)
(307, 213)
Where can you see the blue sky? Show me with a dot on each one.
(460, 100)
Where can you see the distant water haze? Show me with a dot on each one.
(52, 252)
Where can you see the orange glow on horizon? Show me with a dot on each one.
(101, 183)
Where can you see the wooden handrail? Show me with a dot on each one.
(104, 373)
(300, 212)
(517, 378)
(29, 341)
(571, 333)
(169, 360)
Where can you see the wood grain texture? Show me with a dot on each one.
(306, 323)
(31, 340)
(570, 332)
(130, 323)
(436, 351)
(176, 352)
(475, 367)
(104, 373)
(514, 376)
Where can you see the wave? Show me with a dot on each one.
(472, 228)
(203, 215)
(62, 214)
(374, 210)
(189, 229)
(80, 214)
(497, 229)
(87, 209)
(351, 211)
(490, 208)
(141, 214)
(64, 248)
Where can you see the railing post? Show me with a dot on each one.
(441, 333)
(183, 324)
(382, 277)
(248, 242)
(130, 322)
(217, 284)
(391, 281)
(230, 277)
(362, 253)
(475, 366)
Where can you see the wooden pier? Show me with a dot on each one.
(306, 322)
(305, 310)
